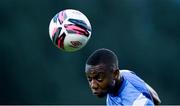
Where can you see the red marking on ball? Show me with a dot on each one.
(75, 44)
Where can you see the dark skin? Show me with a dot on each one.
(103, 79)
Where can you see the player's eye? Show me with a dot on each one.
(100, 77)
(89, 79)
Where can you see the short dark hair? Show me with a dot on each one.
(103, 56)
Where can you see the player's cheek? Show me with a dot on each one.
(104, 84)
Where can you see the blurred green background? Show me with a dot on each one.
(143, 33)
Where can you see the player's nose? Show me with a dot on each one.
(94, 84)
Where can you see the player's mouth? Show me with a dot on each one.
(96, 92)
(99, 94)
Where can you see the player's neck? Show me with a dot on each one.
(117, 86)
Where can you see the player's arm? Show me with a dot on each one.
(155, 96)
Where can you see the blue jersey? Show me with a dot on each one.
(133, 91)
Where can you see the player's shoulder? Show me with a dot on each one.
(124, 71)
(131, 76)
(133, 79)
(128, 74)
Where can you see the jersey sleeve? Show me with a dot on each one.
(141, 100)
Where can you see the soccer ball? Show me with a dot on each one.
(70, 30)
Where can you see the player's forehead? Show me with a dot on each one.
(93, 69)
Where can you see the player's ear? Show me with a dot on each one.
(116, 74)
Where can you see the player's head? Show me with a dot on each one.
(102, 71)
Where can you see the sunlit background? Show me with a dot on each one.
(145, 34)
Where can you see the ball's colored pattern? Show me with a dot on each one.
(70, 30)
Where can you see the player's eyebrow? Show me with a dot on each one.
(96, 74)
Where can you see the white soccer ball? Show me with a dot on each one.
(70, 30)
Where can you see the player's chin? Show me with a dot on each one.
(100, 94)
